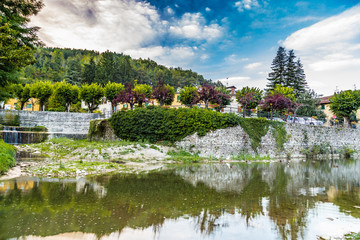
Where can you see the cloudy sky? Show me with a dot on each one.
(230, 40)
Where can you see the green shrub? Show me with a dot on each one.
(162, 124)
(7, 154)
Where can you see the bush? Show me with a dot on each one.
(7, 156)
(156, 124)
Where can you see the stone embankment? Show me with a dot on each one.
(59, 124)
(300, 141)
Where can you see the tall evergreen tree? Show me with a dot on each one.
(300, 83)
(73, 72)
(277, 76)
(105, 68)
(289, 76)
(88, 72)
(288, 72)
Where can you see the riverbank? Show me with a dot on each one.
(61, 157)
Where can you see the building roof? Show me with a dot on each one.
(325, 100)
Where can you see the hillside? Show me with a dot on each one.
(84, 66)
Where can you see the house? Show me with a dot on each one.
(31, 105)
(325, 107)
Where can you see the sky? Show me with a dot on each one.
(233, 41)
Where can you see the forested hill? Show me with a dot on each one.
(84, 66)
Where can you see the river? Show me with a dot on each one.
(303, 200)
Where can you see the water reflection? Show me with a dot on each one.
(219, 201)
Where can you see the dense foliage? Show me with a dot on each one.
(344, 103)
(7, 154)
(84, 66)
(249, 98)
(17, 40)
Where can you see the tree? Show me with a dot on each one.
(287, 92)
(88, 72)
(67, 94)
(345, 103)
(309, 101)
(300, 83)
(128, 95)
(17, 39)
(279, 99)
(249, 98)
(207, 93)
(278, 67)
(143, 93)
(223, 98)
(105, 70)
(163, 93)
(277, 102)
(287, 72)
(73, 71)
(189, 96)
(42, 91)
(92, 95)
(111, 91)
(22, 93)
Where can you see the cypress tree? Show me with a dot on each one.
(277, 76)
(290, 69)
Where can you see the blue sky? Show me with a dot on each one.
(232, 41)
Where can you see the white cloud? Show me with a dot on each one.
(241, 81)
(129, 26)
(246, 5)
(252, 66)
(233, 58)
(207, 9)
(98, 24)
(330, 51)
(193, 26)
(170, 11)
(171, 57)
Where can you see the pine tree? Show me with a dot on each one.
(300, 83)
(277, 76)
(88, 72)
(290, 68)
(287, 72)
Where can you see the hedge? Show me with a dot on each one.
(156, 124)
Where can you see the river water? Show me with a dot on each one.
(302, 200)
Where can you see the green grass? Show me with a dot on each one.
(249, 157)
(62, 147)
(7, 156)
(183, 156)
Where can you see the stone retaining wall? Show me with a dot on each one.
(56, 122)
(224, 143)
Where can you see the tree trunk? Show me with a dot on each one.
(347, 122)
(207, 104)
(244, 111)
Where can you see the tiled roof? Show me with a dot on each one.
(325, 100)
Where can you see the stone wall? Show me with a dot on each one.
(225, 143)
(57, 122)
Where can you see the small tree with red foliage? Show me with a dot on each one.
(208, 94)
(128, 95)
(277, 102)
(163, 93)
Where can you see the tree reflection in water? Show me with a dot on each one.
(201, 193)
